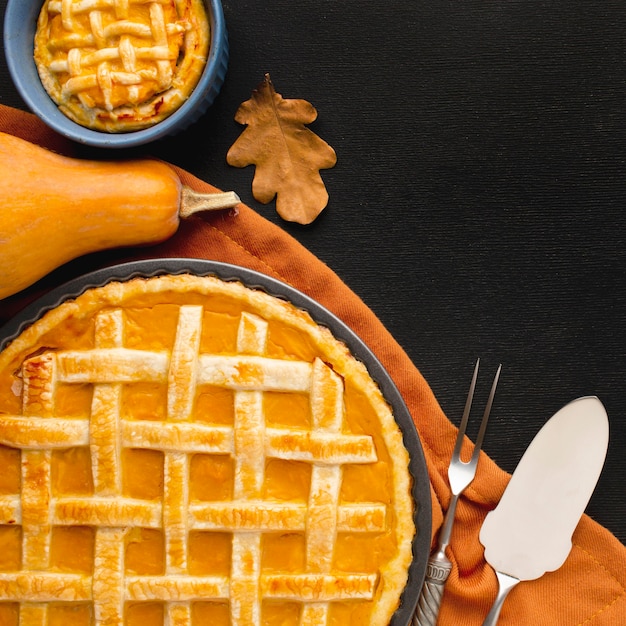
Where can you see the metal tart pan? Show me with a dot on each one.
(256, 280)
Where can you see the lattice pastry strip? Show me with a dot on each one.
(107, 585)
(175, 509)
(249, 433)
(104, 440)
(126, 365)
(327, 413)
(289, 444)
(37, 398)
(183, 367)
(181, 389)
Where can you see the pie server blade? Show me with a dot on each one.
(530, 532)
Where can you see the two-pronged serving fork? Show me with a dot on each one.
(460, 475)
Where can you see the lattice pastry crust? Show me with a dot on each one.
(185, 450)
(121, 65)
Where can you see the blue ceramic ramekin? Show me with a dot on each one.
(20, 23)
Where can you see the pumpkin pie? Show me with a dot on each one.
(121, 65)
(187, 450)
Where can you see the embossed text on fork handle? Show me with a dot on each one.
(437, 572)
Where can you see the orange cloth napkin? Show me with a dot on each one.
(590, 587)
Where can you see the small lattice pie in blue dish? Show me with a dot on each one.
(113, 73)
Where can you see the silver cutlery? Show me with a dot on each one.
(530, 532)
(460, 475)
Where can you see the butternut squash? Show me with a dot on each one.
(54, 208)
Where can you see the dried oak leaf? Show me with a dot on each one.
(288, 156)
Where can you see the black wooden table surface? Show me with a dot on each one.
(478, 204)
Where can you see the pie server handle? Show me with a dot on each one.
(505, 584)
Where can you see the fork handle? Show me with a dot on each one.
(437, 572)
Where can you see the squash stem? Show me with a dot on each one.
(192, 201)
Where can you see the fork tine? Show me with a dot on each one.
(466, 412)
(483, 424)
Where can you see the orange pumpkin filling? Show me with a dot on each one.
(218, 529)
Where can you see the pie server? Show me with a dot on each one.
(530, 532)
